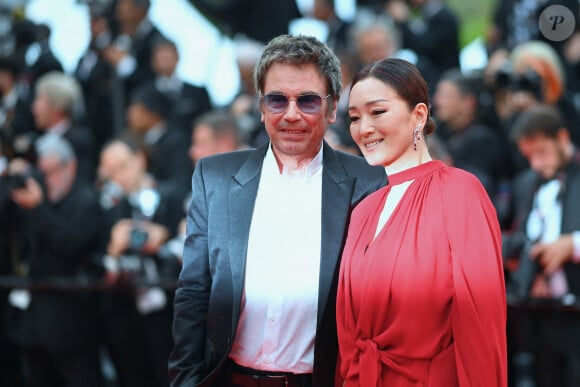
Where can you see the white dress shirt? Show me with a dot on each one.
(544, 225)
(278, 318)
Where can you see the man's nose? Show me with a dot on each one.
(292, 111)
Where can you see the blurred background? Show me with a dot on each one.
(207, 53)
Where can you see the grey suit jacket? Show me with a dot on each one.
(208, 297)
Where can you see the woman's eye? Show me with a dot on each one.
(378, 112)
(353, 118)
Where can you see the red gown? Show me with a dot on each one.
(423, 304)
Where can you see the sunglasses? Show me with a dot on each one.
(307, 103)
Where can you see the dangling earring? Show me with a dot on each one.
(416, 136)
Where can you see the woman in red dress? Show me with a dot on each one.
(421, 297)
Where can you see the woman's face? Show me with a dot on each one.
(382, 123)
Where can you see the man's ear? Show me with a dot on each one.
(262, 116)
(563, 136)
(331, 117)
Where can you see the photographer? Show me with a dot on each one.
(17, 128)
(142, 216)
(56, 222)
(535, 75)
(11, 366)
(547, 221)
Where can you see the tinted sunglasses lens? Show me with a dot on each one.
(309, 103)
(276, 103)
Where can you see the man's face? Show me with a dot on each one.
(205, 143)
(164, 60)
(6, 82)
(127, 11)
(448, 101)
(296, 135)
(545, 155)
(58, 176)
(119, 165)
(374, 45)
(45, 115)
(139, 118)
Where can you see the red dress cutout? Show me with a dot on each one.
(423, 304)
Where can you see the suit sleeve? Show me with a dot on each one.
(478, 313)
(187, 360)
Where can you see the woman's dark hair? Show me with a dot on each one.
(404, 78)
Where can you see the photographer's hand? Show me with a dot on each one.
(157, 236)
(28, 197)
(113, 54)
(540, 287)
(120, 237)
(552, 256)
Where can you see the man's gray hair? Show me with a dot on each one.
(54, 145)
(63, 92)
(367, 20)
(300, 50)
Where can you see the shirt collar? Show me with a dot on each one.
(143, 28)
(61, 127)
(154, 133)
(9, 101)
(306, 172)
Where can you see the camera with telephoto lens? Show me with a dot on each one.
(529, 81)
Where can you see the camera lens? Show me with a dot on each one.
(137, 239)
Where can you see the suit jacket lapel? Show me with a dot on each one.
(241, 199)
(337, 190)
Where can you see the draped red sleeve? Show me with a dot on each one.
(423, 302)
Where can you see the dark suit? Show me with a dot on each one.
(168, 159)
(85, 147)
(102, 100)
(59, 327)
(141, 49)
(242, 16)
(208, 298)
(552, 334)
(189, 102)
(479, 150)
(438, 43)
(524, 189)
(140, 343)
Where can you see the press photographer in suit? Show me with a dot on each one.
(548, 218)
(141, 213)
(59, 221)
(256, 297)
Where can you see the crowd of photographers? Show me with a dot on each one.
(95, 171)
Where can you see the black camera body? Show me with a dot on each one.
(12, 182)
(521, 279)
(137, 240)
(529, 81)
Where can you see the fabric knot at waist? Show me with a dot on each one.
(372, 359)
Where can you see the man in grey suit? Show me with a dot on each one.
(255, 304)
